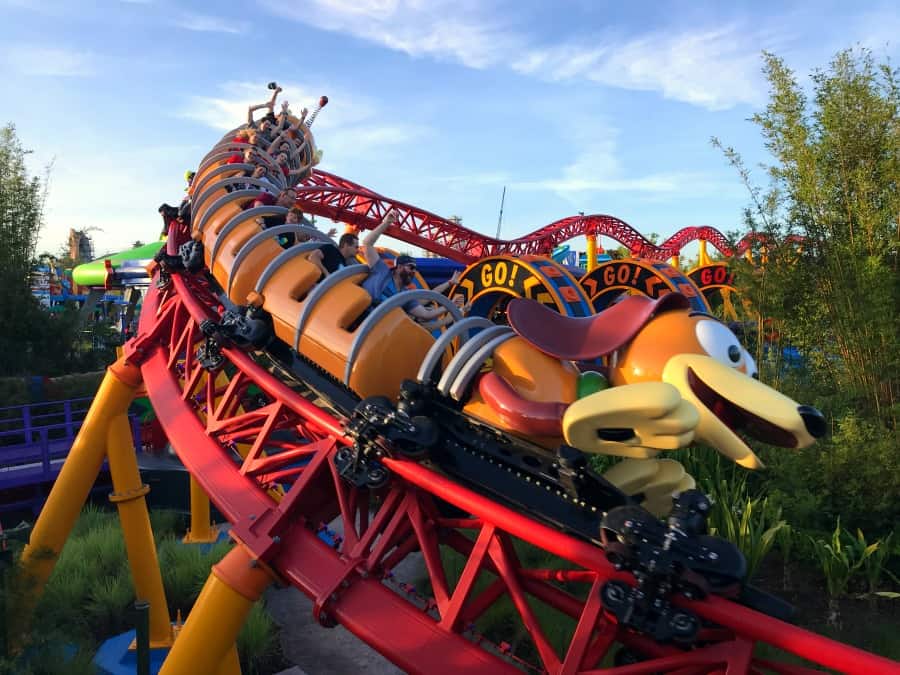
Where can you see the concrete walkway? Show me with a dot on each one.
(317, 650)
(330, 651)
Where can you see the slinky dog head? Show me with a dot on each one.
(665, 341)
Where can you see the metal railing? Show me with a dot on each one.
(36, 437)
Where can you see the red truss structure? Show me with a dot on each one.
(268, 464)
(337, 198)
(688, 234)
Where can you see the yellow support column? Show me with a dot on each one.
(231, 664)
(202, 530)
(212, 627)
(591, 251)
(728, 310)
(704, 256)
(128, 496)
(675, 261)
(73, 485)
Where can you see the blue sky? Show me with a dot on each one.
(580, 106)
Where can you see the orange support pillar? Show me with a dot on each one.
(202, 530)
(129, 497)
(75, 480)
(212, 627)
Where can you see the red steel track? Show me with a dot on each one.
(242, 457)
(330, 196)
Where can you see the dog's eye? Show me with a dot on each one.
(720, 343)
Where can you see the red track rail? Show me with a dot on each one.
(241, 458)
(337, 198)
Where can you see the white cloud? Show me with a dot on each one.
(595, 167)
(651, 183)
(207, 24)
(715, 68)
(879, 29)
(36, 61)
(457, 31)
(229, 109)
(477, 178)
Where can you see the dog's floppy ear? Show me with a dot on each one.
(587, 338)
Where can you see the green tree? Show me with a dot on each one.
(829, 283)
(835, 183)
(21, 212)
(32, 341)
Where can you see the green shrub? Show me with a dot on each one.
(839, 562)
(854, 474)
(74, 385)
(258, 645)
(13, 391)
(167, 523)
(184, 571)
(740, 513)
(875, 563)
(90, 595)
(61, 604)
(51, 654)
(103, 547)
(107, 609)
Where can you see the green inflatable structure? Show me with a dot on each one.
(129, 268)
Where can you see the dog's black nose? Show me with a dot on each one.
(813, 420)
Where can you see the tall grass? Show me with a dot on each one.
(91, 585)
(184, 571)
(259, 648)
(839, 562)
(739, 513)
(90, 594)
(92, 517)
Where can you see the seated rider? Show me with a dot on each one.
(330, 258)
(384, 282)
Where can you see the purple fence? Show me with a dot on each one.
(35, 439)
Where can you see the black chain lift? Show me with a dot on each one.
(244, 326)
(673, 558)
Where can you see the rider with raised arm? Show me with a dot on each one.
(383, 282)
(265, 125)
